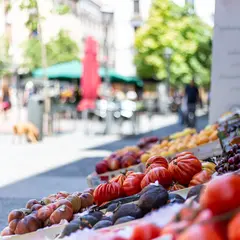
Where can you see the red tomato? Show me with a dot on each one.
(119, 179)
(200, 178)
(145, 231)
(160, 174)
(184, 168)
(221, 195)
(183, 154)
(152, 166)
(200, 232)
(106, 192)
(219, 227)
(157, 160)
(132, 184)
(234, 228)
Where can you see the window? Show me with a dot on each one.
(136, 6)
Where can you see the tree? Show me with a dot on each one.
(170, 25)
(36, 53)
(5, 61)
(59, 49)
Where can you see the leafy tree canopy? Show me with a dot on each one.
(175, 27)
(59, 49)
(5, 61)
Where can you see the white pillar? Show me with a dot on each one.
(124, 38)
(225, 87)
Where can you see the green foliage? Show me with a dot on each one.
(5, 64)
(33, 17)
(172, 26)
(62, 9)
(59, 49)
(62, 49)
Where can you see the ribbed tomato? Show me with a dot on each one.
(160, 174)
(221, 195)
(119, 179)
(106, 192)
(132, 184)
(183, 154)
(154, 165)
(183, 168)
(157, 160)
(200, 178)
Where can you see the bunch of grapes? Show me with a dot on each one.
(230, 161)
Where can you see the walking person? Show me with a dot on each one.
(5, 98)
(192, 97)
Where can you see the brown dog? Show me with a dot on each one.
(27, 129)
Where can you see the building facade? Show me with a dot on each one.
(83, 20)
(126, 12)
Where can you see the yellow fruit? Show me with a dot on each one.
(202, 140)
(164, 143)
(213, 136)
(172, 149)
(191, 145)
(145, 157)
(208, 166)
(181, 147)
(165, 154)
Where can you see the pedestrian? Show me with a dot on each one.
(192, 96)
(182, 111)
(5, 98)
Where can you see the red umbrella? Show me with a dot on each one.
(90, 80)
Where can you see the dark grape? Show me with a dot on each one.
(222, 161)
(220, 170)
(238, 166)
(231, 160)
(235, 148)
(238, 151)
(237, 159)
(225, 167)
(232, 168)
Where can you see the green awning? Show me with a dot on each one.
(73, 70)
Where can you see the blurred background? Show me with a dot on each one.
(144, 58)
(82, 78)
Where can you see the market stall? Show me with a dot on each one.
(174, 187)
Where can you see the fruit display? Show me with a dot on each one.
(146, 143)
(184, 170)
(181, 142)
(151, 197)
(123, 158)
(208, 213)
(46, 212)
(184, 133)
(229, 161)
(183, 167)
